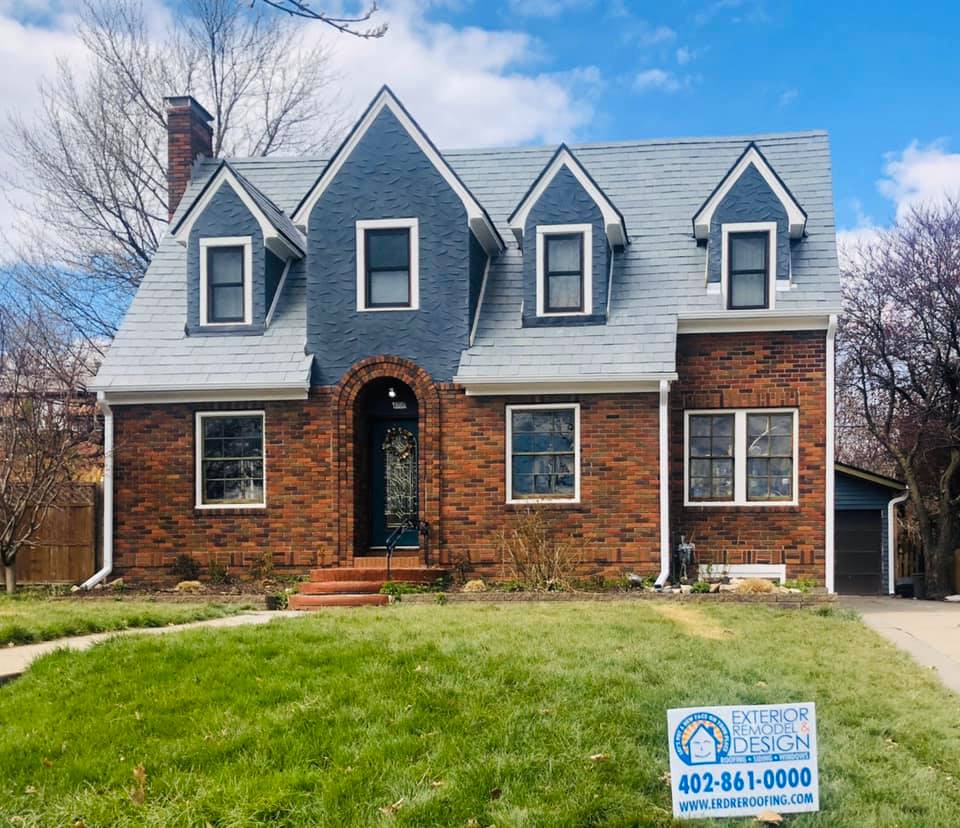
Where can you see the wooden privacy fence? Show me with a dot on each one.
(67, 540)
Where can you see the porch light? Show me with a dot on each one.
(391, 393)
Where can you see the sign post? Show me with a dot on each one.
(741, 760)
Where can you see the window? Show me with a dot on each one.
(230, 460)
(564, 269)
(740, 457)
(711, 456)
(387, 266)
(748, 274)
(748, 265)
(543, 453)
(769, 456)
(225, 281)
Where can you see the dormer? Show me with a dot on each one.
(240, 246)
(569, 232)
(748, 225)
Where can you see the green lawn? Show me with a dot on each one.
(27, 618)
(422, 715)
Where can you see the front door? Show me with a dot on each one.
(393, 481)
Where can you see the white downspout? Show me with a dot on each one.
(664, 484)
(892, 541)
(830, 421)
(107, 567)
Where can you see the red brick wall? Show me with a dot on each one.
(308, 520)
(756, 370)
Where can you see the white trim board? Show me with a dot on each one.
(586, 231)
(796, 218)
(160, 396)
(765, 571)
(480, 298)
(507, 386)
(740, 458)
(411, 224)
(733, 321)
(278, 294)
(199, 417)
(246, 242)
(477, 218)
(612, 220)
(509, 452)
(272, 237)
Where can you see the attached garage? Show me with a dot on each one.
(862, 543)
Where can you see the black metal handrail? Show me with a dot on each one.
(422, 528)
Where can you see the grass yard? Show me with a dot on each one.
(461, 715)
(27, 618)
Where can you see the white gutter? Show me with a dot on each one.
(107, 567)
(664, 484)
(892, 541)
(830, 424)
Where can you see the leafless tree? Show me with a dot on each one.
(899, 369)
(358, 25)
(92, 163)
(47, 425)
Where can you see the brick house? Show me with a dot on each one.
(402, 346)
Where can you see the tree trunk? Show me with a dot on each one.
(10, 578)
(939, 562)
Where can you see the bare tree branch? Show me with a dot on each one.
(345, 25)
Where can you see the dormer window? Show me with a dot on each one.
(387, 264)
(749, 270)
(749, 265)
(564, 269)
(225, 281)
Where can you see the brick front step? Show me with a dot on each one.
(316, 602)
(339, 587)
(413, 575)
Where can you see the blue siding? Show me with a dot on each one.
(478, 265)
(387, 176)
(750, 199)
(226, 215)
(564, 202)
(852, 492)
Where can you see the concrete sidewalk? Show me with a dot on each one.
(927, 630)
(15, 660)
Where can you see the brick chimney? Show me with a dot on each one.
(189, 135)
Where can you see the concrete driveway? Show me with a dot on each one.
(929, 631)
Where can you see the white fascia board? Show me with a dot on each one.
(501, 386)
(612, 221)
(796, 218)
(476, 217)
(272, 237)
(156, 396)
(748, 321)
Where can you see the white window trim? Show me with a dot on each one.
(740, 458)
(276, 296)
(544, 230)
(411, 224)
(198, 458)
(246, 242)
(769, 227)
(576, 451)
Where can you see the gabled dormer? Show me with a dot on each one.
(240, 246)
(569, 231)
(749, 224)
(398, 247)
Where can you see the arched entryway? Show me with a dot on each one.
(368, 419)
(387, 467)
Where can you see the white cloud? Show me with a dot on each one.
(659, 80)
(684, 55)
(919, 174)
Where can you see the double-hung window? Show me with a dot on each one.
(749, 270)
(543, 453)
(387, 266)
(225, 286)
(741, 457)
(564, 270)
(230, 459)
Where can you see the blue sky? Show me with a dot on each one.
(880, 77)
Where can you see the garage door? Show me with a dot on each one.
(859, 552)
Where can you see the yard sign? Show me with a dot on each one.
(739, 761)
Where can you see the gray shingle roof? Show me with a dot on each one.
(657, 185)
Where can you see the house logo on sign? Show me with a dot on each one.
(701, 739)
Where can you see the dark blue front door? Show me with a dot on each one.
(393, 480)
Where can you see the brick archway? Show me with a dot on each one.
(428, 398)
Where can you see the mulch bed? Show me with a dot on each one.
(782, 599)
